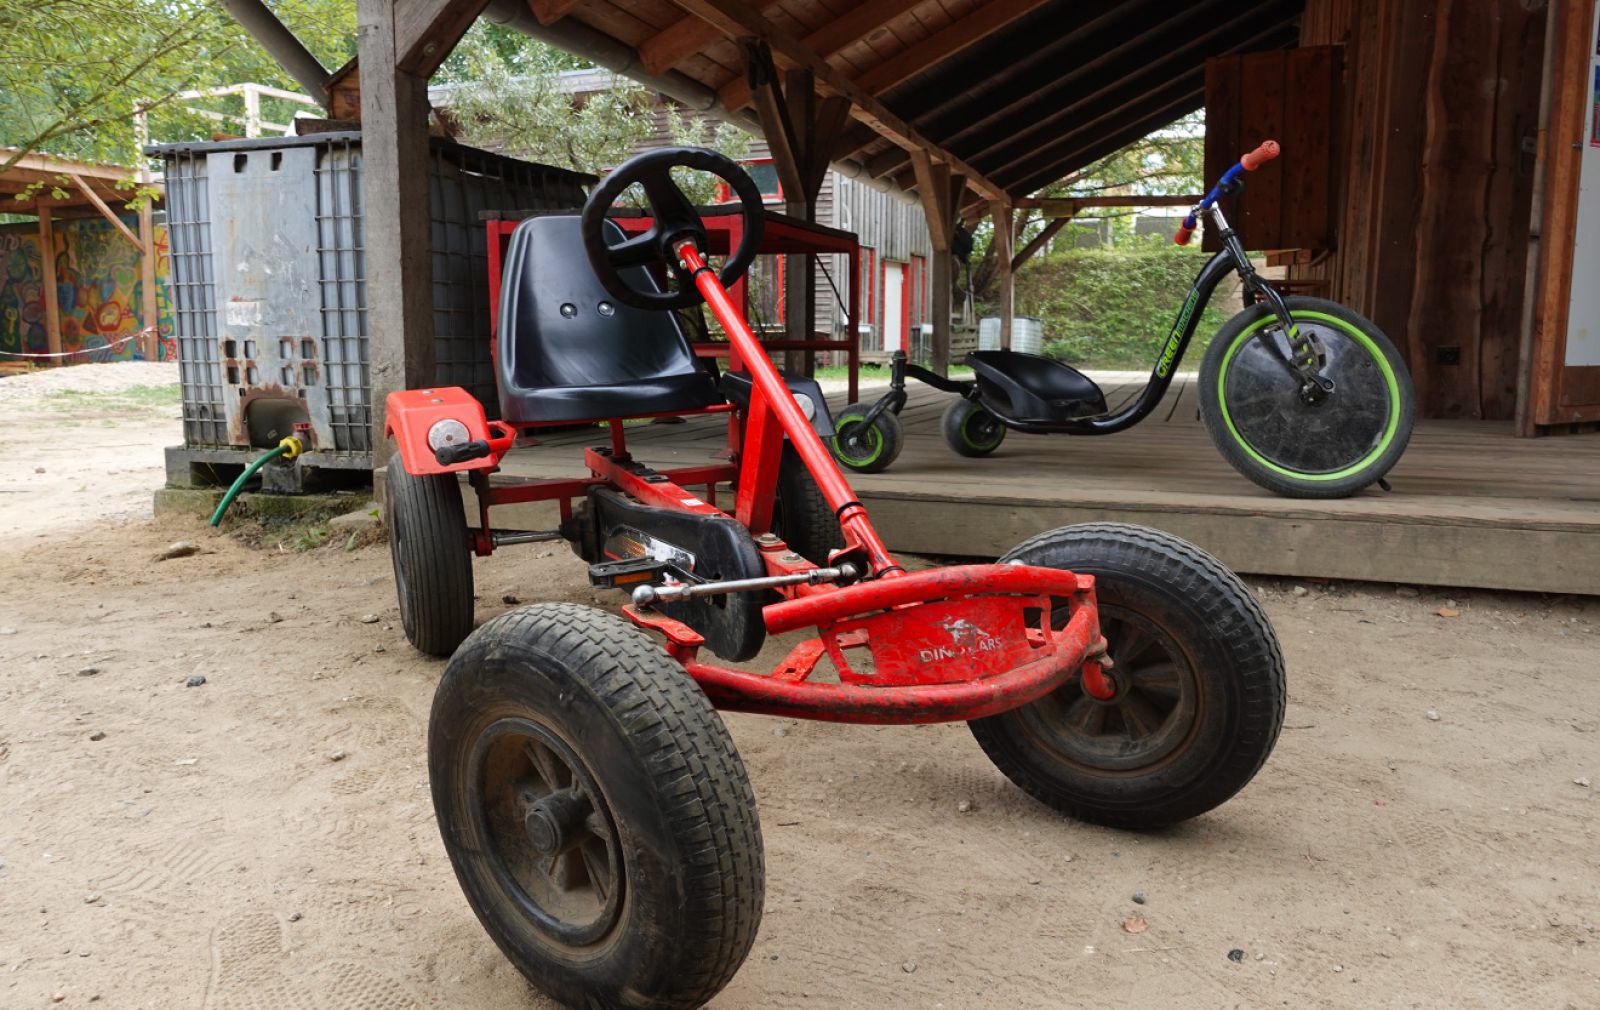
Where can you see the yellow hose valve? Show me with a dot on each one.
(291, 447)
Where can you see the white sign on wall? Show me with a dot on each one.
(1583, 319)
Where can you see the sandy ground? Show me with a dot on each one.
(266, 839)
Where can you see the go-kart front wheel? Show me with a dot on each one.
(1199, 684)
(862, 447)
(595, 811)
(432, 557)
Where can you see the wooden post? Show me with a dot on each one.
(149, 316)
(1004, 240)
(941, 192)
(47, 273)
(394, 152)
(799, 277)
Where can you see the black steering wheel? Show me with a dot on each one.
(675, 220)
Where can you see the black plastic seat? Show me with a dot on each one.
(1035, 388)
(568, 351)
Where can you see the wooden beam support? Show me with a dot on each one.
(945, 43)
(1005, 226)
(149, 315)
(1038, 242)
(941, 191)
(105, 212)
(47, 276)
(675, 43)
(856, 24)
(735, 19)
(773, 112)
(425, 31)
(394, 189)
(1069, 206)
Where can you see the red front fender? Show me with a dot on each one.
(412, 413)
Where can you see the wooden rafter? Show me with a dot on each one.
(678, 41)
(945, 43)
(735, 19)
(858, 23)
(105, 211)
(425, 31)
(1028, 251)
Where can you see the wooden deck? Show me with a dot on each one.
(1472, 505)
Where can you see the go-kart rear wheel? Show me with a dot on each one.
(801, 515)
(595, 811)
(866, 448)
(970, 429)
(1199, 686)
(432, 557)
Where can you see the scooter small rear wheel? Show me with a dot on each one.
(1199, 686)
(595, 811)
(970, 429)
(432, 558)
(866, 448)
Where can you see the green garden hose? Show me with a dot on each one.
(289, 448)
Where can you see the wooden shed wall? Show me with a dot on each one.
(1438, 132)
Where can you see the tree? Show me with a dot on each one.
(75, 71)
(509, 93)
(1168, 161)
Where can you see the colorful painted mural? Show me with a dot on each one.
(98, 286)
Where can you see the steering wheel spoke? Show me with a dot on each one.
(636, 251)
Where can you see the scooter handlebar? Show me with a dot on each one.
(1268, 150)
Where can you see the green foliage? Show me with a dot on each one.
(1170, 160)
(1113, 308)
(74, 71)
(508, 97)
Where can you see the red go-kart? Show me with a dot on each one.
(591, 800)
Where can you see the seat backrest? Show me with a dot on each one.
(560, 328)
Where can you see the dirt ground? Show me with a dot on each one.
(1423, 837)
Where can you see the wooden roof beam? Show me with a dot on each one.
(945, 43)
(858, 23)
(1049, 167)
(425, 31)
(735, 19)
(105, 211)
(1104, 71)
(1134, 72)
(680, 40)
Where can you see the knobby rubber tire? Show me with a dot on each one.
(953, 425)
(432, 557)
(1236, 668)
(1261, 471)
(673, 784)
(886, 436)
(803, 518)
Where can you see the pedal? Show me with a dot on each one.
(629, 572)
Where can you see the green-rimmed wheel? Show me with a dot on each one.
(862, 447)
(1330, 449)
(971, 430)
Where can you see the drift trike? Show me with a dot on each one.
(592, 803)
(1303, 396)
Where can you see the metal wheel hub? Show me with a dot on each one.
(1150, 716)
(554, 823)
(551, 839)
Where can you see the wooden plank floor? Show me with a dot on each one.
(1472, 504)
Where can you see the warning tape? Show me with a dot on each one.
(84, 350)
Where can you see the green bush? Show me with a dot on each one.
(1112, 308)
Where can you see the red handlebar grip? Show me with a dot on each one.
(1184, 234)
(1261, 155)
